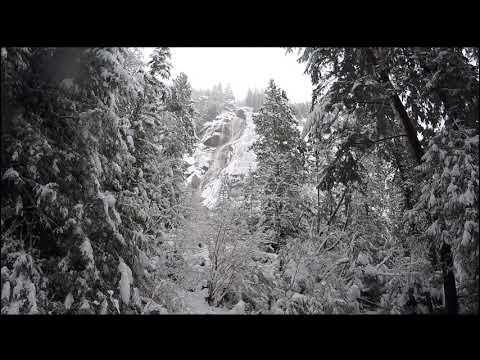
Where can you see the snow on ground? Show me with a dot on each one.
(193, 297)
(195, 303)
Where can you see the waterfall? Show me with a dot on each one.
(225, 151)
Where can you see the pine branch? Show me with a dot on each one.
(379, 140)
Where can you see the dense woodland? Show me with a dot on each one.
(364, 201)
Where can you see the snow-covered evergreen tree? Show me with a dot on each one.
(390, 93)
(279, 150)
(92, 173)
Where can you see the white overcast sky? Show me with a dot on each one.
(242, 68)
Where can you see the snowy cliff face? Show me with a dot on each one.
(223, 154)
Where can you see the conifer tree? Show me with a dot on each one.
(387, 93)
(93, 165)
(160, 62)
(279, 151)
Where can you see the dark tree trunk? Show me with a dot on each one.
(407, 194)
(410, 130)
(451, 299)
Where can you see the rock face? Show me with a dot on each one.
(223, 154)
(241, 114)
(213, 141)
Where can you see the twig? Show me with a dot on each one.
(397, 274)
(384, 260)
(372, 303)
(338, 262)
(322, 244)
(334, 244)
(338, 206)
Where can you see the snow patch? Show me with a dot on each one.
(6, 291)
(87, 251)
(239, 308)
(68, 301)
(46, 192)
(67, 83)
(125, 281)
(12, 175)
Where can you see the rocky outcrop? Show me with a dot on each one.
(214, 140)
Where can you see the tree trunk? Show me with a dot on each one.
(318, 192)
(410, 130)
(407, 194)
(451, 299)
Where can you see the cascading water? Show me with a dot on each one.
(223, 153)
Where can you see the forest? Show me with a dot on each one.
(124, 190)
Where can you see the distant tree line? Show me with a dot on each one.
(209, 103)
